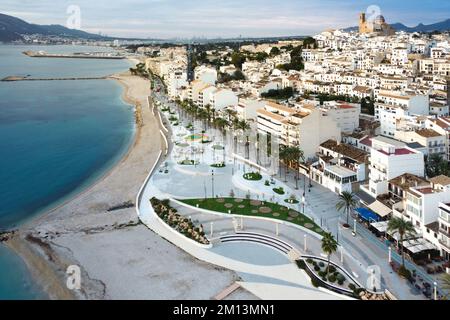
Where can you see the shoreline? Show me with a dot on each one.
(41, 270)
(42, 213)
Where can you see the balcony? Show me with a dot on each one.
(445, 242)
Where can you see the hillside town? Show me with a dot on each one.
(369, 110)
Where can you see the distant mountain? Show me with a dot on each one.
(12, 28)
(439, 26)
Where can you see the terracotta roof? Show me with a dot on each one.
(279, 107)
(427, 133)
(408, 180)
(345, 150)
(442, 180)
(271, 115)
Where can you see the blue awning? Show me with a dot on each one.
(368, 215)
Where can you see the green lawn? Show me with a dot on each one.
(255, 208)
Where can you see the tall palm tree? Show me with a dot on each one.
(347, 202)
(445, 280)
(243, 126)
(285, 155)
(297, 154)
(403, 228)
(231, 115)
(329, 246)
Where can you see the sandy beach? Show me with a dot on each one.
(119, 257)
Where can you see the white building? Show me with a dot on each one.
(206, 74)
(346, 115)
(388, 159)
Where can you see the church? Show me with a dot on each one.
(377, 26)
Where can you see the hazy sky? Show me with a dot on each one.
(226, 18)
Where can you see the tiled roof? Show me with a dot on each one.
(428, 133)
(442, 180)
(345, 150)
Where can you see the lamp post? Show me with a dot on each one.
(212, 182)
(435, 290)
(304, 243)
(303, 203)
(212, 228)
(390, 254)
(354, 226)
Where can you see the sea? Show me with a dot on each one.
(56, 139)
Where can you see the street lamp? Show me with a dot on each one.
(303, 203)
(390, 254)
(435, 290)
(304, 242)
(212, 182)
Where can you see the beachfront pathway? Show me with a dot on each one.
(176, 181)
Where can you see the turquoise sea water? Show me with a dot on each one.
(56, 137)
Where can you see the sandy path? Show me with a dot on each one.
(119, 258)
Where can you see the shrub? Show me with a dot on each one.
(267, 183)
(352, 287)
(309, 260)
(321, 264)
(340, 278)
(405, 273)
(332, 278)
(316, 268)
(340, 282)
(254, 176)
(301, 264)
(279, 190)
(315, 282)
(332, 269)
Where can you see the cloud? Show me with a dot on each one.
(186, 18)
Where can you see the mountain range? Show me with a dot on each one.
(439, 26)
(12, 29)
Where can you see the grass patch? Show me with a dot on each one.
(246, 208)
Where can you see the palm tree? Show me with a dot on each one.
(446, 281)
(329, 246)
(231, 114)
(436, 165)
(244, 126)
(285, 155)
(403, 228)
(297, 154)
(347, 202)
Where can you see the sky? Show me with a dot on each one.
(220, 18)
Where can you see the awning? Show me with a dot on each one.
(380, 209)
(418, 245)
(367, 215)
(380, 226)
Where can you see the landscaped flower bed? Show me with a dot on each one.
(176, 221)
(187, 162)
(253, 176)
(218, 165)
(291, 201)
(256, 208)
(333, 278)
(279, 190)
